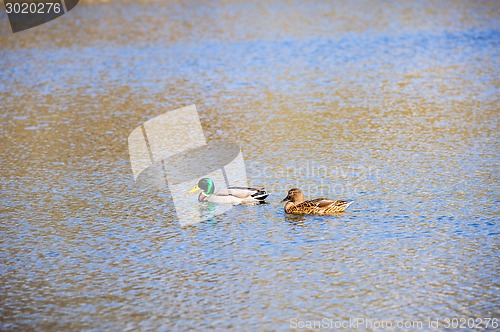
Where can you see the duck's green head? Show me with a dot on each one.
(206, 185)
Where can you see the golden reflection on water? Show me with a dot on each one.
(176, 21)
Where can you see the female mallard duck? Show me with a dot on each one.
(296, 204)
(232, 195)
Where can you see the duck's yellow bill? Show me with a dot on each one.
(195, 189)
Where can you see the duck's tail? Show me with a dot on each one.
(250, 195)
(260, 195)
(345, 204)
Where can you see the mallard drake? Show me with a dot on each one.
(296, 204)
(232, 195)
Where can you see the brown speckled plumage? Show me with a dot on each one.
(296, 204)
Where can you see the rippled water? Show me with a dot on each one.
(394, 105)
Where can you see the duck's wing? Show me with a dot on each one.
(319, 206)
(324, 205)
(257, 193)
